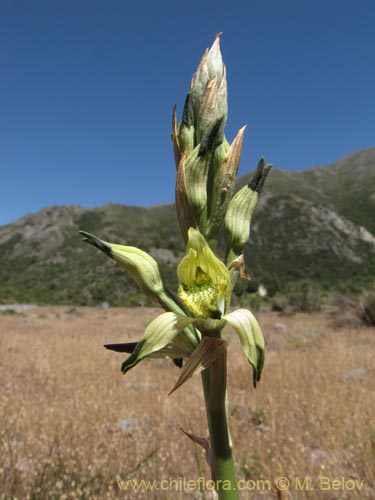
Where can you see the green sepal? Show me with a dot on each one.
(211, 67)
(161, 332)
(241, 208)
(238, 218)
(186, 127)
(139, 264)
(248, 330)
(196, 174)
(221, 183)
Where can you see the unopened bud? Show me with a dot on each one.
(260, 175)
(213, 106)
(238, 217)
(186, 127)
(225, 168)
(196, 172)
(139, 264)
(241, 208)
(215, 61)
(185, 212)
(209, 91)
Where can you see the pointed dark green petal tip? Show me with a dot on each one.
(212, 137)
(126, 347)
(260, 175)
(133, 359)
(96, 242)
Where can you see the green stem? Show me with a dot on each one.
(223, 472)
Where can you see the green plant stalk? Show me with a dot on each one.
(214, 381)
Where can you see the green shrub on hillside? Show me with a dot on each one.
(366, 309)
(305, 296)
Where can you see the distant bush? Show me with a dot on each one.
(304, 297)
(342, 311)
(348, 311)
(280, 303)
(8, 312)
(366, 308)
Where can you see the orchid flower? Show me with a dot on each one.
(204, 291)
(189, 331)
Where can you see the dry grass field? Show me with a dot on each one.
(72, 426)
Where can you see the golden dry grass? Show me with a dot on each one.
(71, 425)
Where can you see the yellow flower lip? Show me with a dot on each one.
(205, 285)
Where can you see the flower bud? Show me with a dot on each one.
(185, 212)
(215, 63)
(225, 168)
(213, 106)
(208, 91)
(241, 208)
(139, 264)
(196, 172)
(238, 217)
(185, 131)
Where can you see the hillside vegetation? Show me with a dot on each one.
(316, 225)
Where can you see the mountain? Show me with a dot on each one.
(318, 224)
(346, 187)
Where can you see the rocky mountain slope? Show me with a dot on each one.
(318, 224)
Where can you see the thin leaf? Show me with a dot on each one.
(201, 442)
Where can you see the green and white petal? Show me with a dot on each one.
(180, 347)
(159, 333)
(247, 328)
(139, 264)
(187, 268)
(205, 257)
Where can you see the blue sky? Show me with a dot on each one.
(87, 89)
